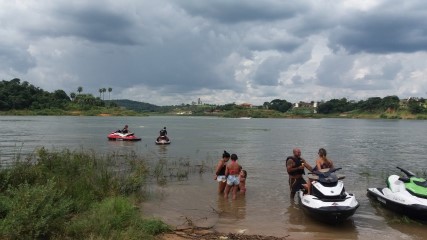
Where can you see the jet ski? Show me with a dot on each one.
(406, 195)
(163, 140)
(119, 136)
(328, 200)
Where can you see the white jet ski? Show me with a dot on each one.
(328, 200)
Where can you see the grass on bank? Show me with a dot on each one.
(75, 195)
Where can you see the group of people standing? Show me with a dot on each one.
(232, 178)
(295, 166)
(230, 175)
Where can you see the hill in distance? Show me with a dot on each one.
(136, 106)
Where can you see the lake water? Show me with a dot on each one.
(367, 150)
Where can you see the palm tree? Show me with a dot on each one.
(80, 89)
(109, 90)
(100, 92)
(103, 91)
(73, 96)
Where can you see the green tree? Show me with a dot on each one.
(372, 104)
(280, 105)
(109, 91)
(266, 105)
(73, 96)
(103, 92)
(415, 106)
(391, 102)
(80, 89)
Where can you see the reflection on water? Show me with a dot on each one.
(232, 210)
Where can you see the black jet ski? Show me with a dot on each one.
(328, 201)
(163, 140)
(406, 195)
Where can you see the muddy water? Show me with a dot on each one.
(367, 150)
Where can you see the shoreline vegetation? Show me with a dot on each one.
(24, 99)
(250, 113)
(81, 194)
(75, 195)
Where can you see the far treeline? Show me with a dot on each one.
(17, 96)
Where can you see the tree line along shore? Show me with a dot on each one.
(22, 98)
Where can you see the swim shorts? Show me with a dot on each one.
(221, 178)
(233, 180)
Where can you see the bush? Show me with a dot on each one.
(60, 195)
(115, 218)
(33, 211)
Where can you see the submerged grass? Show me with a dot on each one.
(75, 194)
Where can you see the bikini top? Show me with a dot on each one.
(325, 165)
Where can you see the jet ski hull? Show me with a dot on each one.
(122, 137)
(163, 142)
(402, 202)
(328, 211)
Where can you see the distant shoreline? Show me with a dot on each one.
(248, 115)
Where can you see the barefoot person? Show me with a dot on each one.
(220, 172)
(295, 167)
(232, 172)
(242, 179)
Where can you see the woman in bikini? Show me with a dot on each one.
(232, 172)
(321, 163)
(220, 171)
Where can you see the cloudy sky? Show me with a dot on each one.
(168, 52)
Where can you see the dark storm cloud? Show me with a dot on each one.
(227, 51)
(279, 44)
(16, 59)
(243, 11)
(92, 23)
(382, 30)
(268, 72)
(100, 26)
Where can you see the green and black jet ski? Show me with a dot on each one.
(406, 195)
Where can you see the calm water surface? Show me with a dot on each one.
(367, 150)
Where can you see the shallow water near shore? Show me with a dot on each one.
(367, 150)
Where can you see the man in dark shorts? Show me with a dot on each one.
(295, 167)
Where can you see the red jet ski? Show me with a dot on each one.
(118, 136)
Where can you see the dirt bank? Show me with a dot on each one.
(207, 234)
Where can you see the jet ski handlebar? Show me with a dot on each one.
(408, 173)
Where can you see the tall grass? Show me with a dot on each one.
(75, 194)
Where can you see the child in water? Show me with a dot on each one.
(242, 178)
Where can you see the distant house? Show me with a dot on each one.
(304, 105)
(246, 105)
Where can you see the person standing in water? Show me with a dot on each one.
(220, 172)
(232, 172)
(295, 167)
(242, 181)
